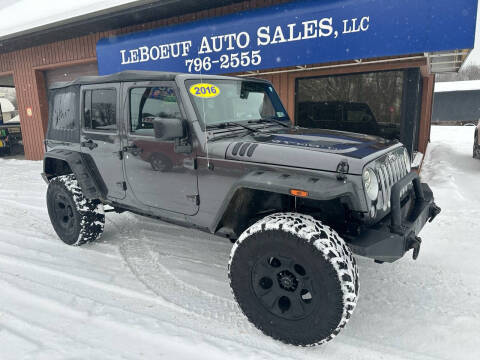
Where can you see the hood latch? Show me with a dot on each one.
(342, 170)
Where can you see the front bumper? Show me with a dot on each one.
(397, 233)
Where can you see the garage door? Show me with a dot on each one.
(70, 73)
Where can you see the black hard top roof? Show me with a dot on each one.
(119, 77)
(138, 75)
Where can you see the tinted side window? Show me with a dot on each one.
(100, 109)
(149, 103)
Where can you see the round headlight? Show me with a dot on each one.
(406, 158)
(370, 182)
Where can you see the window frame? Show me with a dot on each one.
(144, 84)
(83, 90)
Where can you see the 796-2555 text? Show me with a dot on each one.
(226, 61)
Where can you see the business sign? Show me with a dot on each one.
(295, 33)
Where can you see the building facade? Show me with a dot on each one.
(392, 92)
(456, 103)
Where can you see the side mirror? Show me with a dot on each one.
(168, 128)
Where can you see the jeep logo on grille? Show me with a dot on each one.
(391, 157)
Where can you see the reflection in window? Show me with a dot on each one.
(100, 109)
(238, 101)
(368, 103)
(150, 103)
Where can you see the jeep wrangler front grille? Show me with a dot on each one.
(390, 169)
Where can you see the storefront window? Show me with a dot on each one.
(368, 103)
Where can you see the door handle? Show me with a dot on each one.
(89, 143)
(133, 149)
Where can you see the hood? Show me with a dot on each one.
(337, 142)
(310, 148)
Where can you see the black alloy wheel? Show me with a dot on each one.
(284, 287)
(64, 212)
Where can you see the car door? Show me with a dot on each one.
(100, 138)
(158, 174)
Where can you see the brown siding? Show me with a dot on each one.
(426, 115)
(70, 73)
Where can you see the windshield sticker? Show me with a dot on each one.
(204, 90)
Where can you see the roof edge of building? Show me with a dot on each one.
(104, 20)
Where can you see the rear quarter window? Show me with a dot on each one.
(63, 117)
(63, 110)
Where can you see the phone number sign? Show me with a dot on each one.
(295, 33)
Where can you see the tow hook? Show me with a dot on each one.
(434, 211)
(414, 244)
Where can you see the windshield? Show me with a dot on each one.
(219, 102)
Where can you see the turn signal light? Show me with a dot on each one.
(299, 193)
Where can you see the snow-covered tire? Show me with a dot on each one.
(294, 278)
(76, 219)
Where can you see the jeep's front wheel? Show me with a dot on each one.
(75, 219)
(294, 278)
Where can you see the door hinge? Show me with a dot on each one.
(120, 154)
(124, 184)
(194, 198)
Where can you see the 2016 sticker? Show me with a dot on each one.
(204, 90)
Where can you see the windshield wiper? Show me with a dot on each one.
(231, 123)
(270, 120)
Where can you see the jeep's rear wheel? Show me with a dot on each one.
(294, 278)
(75, 219)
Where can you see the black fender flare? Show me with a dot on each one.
(84, 169)
(322, 187)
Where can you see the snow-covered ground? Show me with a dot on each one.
(150, 290)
